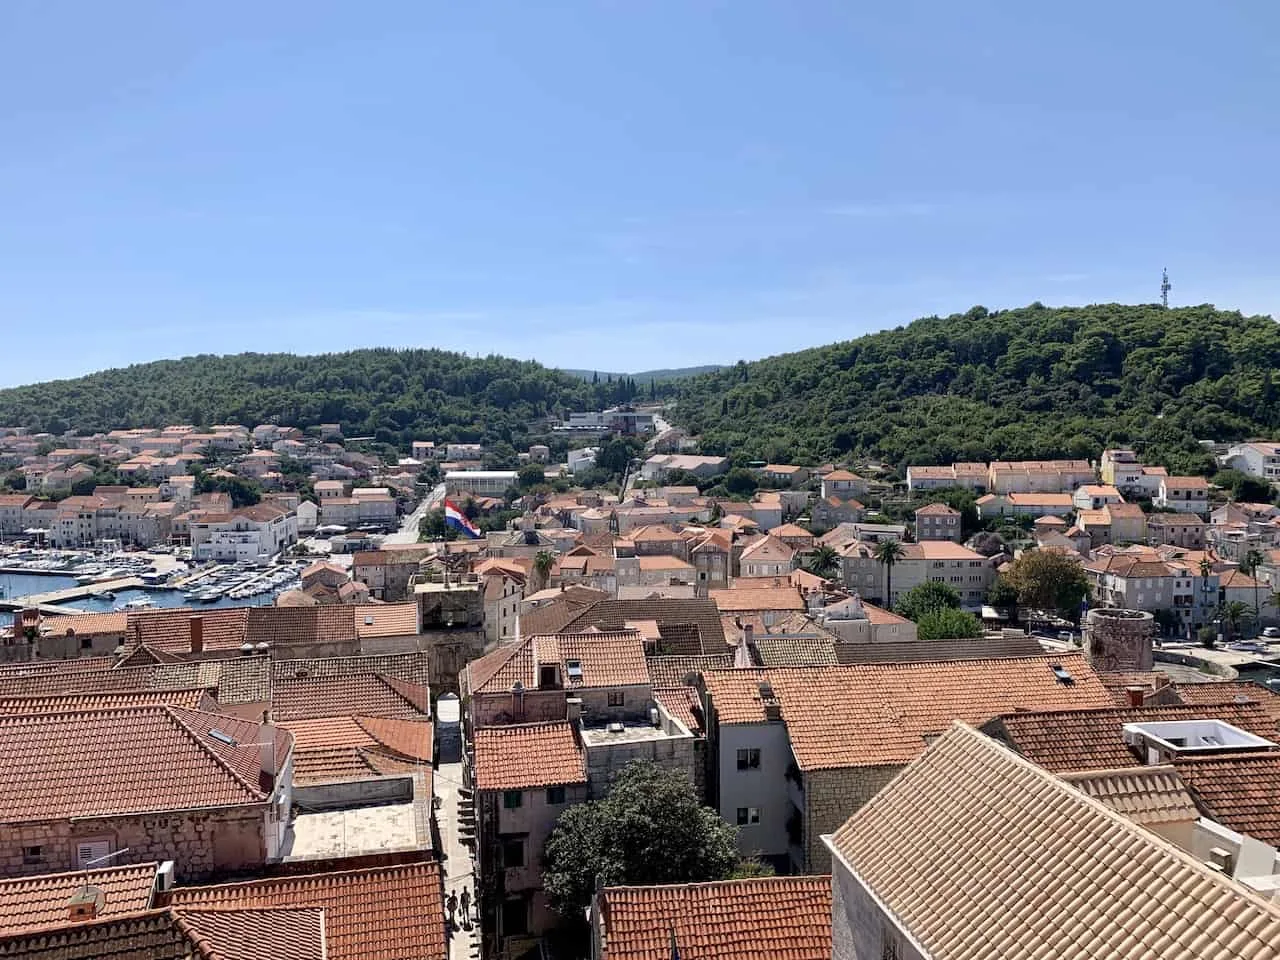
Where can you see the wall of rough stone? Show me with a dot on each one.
(202, 845)
(1119, 640)
(831, 797)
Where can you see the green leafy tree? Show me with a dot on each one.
(648, 829)
(1002, 595)
(530, 475)
(544, 561)
(888, 553)
(1048, 580)
(1235, 614)
(741, 482)
(1244, 487)
(947, 623)
(926, 598)
(824, 561)
(1249, 565)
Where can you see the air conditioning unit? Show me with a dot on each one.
(164, 877)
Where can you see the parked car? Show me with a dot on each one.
(1273, 632)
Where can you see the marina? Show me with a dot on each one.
(81, 581)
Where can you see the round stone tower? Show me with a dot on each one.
(1118, 640)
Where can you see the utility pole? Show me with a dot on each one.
(1165, 287)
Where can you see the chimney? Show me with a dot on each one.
(197, 633)
(85, 904)
(1135, 695)
(267, 753)
(573, 711)
(1221, 860)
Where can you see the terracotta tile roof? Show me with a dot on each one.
(878, 714)
(87, 623)
(299, 625)
(791, 531)
(1231, 692)
(841, 475)
(879, 616)
(684, 704)
(795, 650)
(686, 639)
(261, 934)
(655, 532)
(192, 699)
(614, 614)
(1078, 740)
(412, 667)
(154, 935)
(757, 598)
(911, 651)
(672, 671)
(1241, 791)
(937, 510)
(380, 913)
(170, 630)
(555, 615)
(1145, 795)
(367, 694)
(142, 759)
(783, 918)
(1185, 483)
(527, 756)
(979, 854)
(664, 563)
(38, 902)
(607, 659)
(500, 668)
(388, 619)
(769, 549)
(946, 550)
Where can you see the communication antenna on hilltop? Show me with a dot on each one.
(1165, 287)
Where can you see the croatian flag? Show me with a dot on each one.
(458, 520)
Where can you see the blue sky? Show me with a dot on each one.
(619, 184)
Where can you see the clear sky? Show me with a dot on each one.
(620, 184)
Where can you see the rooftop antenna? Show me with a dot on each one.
(1165, 287)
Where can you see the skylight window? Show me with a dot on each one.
(221, 737)
(574, 669)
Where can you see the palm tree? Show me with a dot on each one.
(543, 562)
(1235, 613)
(824, 562)
(1249, 565)
(889, 552)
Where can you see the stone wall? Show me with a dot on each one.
(202, 844)
(1119, 640)
(831, 797)
(674, 753)
(860, 930)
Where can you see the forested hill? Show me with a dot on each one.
(395, 395)
(1029, 383)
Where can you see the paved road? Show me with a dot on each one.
(459, 867)
(408, 532)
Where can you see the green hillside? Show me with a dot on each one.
(1034, 382)
(395, 395)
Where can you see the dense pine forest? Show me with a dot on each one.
(393, 395)
(1034, 382)
(1024, 383)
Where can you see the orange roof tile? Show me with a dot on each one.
(527, 756)
(197, 698)
(1241, 791)
(978, 854)
(87, 624)
(379, 913)
(259, 934)
(937, 510)
(366, 694)
(1077, 740)
(782, 918)
(757, 598)
(142, 759)
(1145, 795)
(386, 619)
(607, 659)
(684, 704)
(38, 902)
(880, 713)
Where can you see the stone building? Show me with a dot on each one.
(1119, 641)
(207, 791)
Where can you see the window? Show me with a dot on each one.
(748, 815)
(615, 698)
(513, 853)
(555, 796)
(512, 799)
(749, 759)
(94, 850)
(32, 855)
(515, 917)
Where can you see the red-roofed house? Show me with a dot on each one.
(1183, 494)
(210, 792)
(525, 776)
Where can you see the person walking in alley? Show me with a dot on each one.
(452, 904)
(466, 906)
